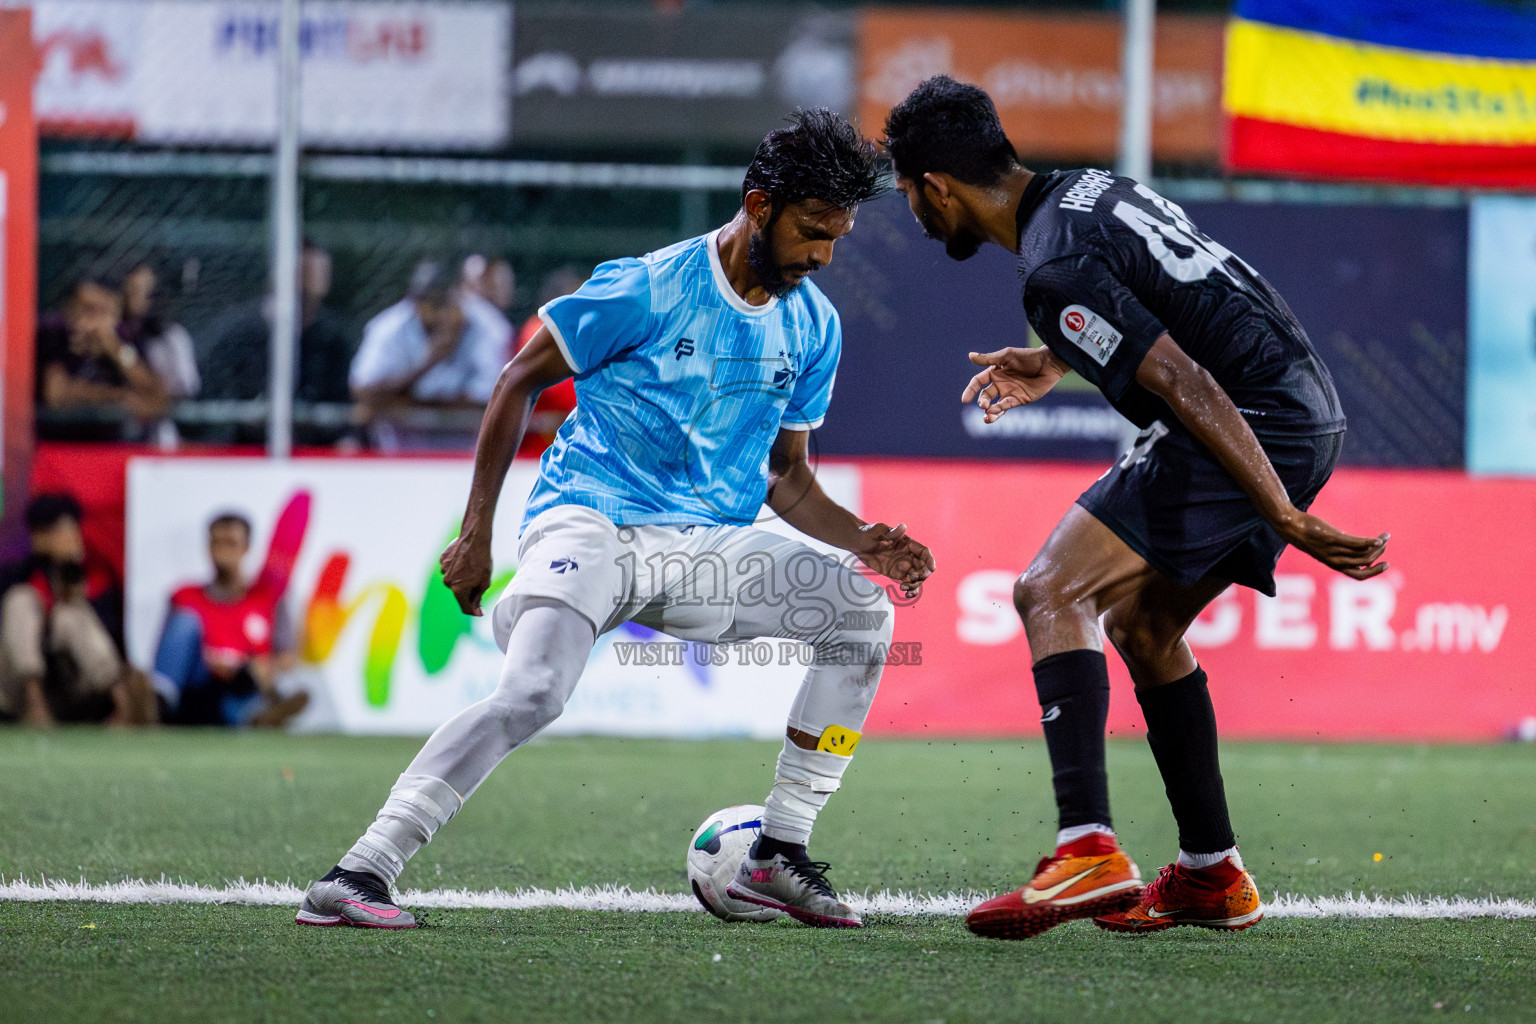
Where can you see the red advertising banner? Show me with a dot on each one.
(18, 255)
(1441, 647)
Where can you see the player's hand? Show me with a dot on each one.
(1350, 555)
(466, 565)
(893, 554)
(1013, 377)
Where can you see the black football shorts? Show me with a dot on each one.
(1174, 505)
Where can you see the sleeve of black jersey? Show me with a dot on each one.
(1091, 321)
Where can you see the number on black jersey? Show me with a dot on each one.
(1206, 254)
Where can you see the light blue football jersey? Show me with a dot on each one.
(681, 389)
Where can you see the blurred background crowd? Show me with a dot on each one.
(112, 363)
(461, 163)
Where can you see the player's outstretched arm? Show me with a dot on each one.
(1202, 406)
(467, 561)
(796, 496)
(1013, 377)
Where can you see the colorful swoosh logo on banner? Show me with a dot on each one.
(328, 614)
(336, 600)
(442, 623)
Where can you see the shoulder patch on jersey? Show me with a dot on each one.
(1090, 332)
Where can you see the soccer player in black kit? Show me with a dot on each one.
(1241, 428)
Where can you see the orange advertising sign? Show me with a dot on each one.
(1055, 78)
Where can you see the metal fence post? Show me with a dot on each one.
(1136, 75)
(285, 238)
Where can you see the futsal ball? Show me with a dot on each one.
(714, 854)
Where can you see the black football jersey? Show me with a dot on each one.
(1108, 266)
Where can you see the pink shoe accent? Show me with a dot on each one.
(387, 915)
(762, 874)
(803, 916)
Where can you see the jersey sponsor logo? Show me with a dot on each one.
(684, 347)
(1090, 332)
(564, 565)
(1085, 191)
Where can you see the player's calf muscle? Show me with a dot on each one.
(1139, 641)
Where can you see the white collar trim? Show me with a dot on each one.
(723, 283)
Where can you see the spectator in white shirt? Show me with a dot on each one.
(438, 348)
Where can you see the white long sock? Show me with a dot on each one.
(418, 806)
(1196, 861)
(1076, 832)
(546, 651)
(803, 782)
(832, 704)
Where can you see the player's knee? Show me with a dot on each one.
(857, 611)
(535, 697)
(1034, 592)
(865, 622)
(881, 619)
(882, 627)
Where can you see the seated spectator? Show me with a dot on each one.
(555, 403)
(440, 347)
(237, 357)
(492, 280)
(58, 663)
(85, 363)
(226, 642)
(167, 346)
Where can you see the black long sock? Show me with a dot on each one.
(766, 846)
(1074, 697)
(1181, 729)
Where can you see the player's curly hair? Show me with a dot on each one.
(948, 127)
(819, 156)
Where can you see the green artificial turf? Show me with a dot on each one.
(927, 817)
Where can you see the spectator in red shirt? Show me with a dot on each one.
(225, 642)
(555, 403)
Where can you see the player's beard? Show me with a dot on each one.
(765, 264)
(962, 245)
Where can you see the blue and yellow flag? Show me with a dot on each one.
(1435, 91)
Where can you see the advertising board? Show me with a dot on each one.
(1438, 648)
(384, 643)
(386, 74)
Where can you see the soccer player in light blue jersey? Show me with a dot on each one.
(700, 371)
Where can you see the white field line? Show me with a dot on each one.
(622, 898)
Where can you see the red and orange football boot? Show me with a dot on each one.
(1221, 896)
(1086, 877)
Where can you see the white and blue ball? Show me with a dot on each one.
(714, 854)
